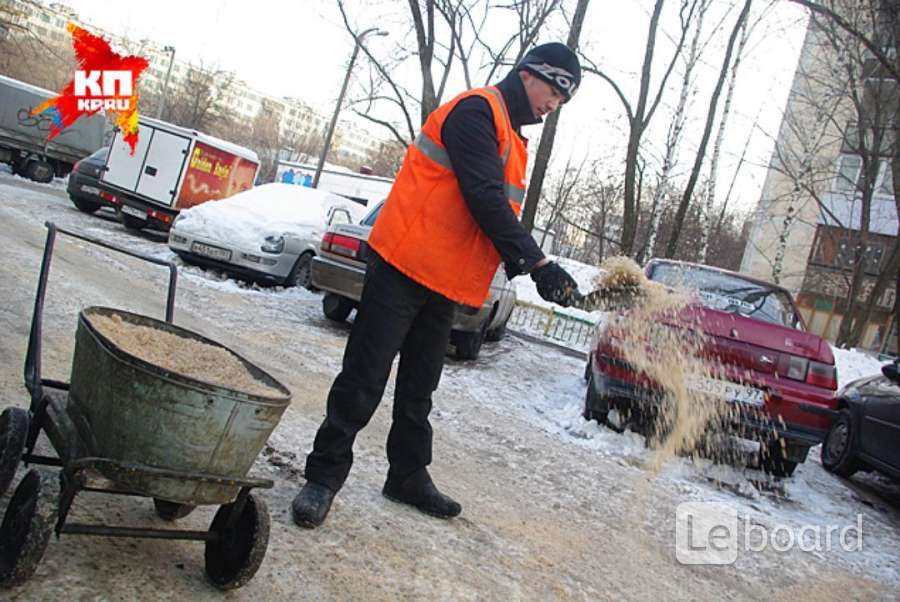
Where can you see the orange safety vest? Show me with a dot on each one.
(425, 229)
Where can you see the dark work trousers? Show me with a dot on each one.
(395, 314)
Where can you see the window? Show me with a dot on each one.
(885, 185)
(848, 173)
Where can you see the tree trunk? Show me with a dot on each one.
(707, 216)
(713, 103)
(636, 129)
(545, 148)
(661, 194)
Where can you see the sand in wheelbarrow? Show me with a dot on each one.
(188, 357)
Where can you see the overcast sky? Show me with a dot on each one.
(301, 49)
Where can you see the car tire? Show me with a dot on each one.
(301, 273)
(39, 171)
(335, 307)
(468, 344)
(773, 462)
(495, 334)
(838, 454)
(592, 402)
(84, 205)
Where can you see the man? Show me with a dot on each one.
(449, 219)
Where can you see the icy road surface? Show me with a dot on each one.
(553, 507)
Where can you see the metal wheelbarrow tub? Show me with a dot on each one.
(134, 413)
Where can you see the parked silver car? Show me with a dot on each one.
(341, 265)
(267, 234)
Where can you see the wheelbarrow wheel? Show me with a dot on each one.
(171, 510)
(27, 526)
(13, 436)
(233, 559)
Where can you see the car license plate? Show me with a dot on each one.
(729, 391)
(134, 212)
(210, 251)
(90, 190)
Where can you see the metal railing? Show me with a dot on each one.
(571, 331)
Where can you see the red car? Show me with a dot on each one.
(780, 378)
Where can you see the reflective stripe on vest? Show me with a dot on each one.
(438, 154)
(430, 149)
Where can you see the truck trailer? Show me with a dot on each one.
(23, 136)
(173, 168)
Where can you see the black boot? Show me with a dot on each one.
(311, 505)
(419, 491)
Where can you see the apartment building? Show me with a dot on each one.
(832, 159)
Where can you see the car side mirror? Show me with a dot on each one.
(891, 371)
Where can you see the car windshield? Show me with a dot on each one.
(730, 293)
(99, 153)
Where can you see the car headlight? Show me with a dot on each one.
(273, 244)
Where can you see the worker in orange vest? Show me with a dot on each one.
(450, 219)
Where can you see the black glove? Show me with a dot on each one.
(555, 285)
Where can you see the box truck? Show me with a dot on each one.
(23, 136)
(173, 168)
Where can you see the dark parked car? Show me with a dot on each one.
(780, 378)
(865, 434)
(340, 267)
(84, 183)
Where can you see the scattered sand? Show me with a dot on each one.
(668, 351)
(188, 357)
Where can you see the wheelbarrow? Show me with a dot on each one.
(126, 426)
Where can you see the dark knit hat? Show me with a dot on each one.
(556, 64)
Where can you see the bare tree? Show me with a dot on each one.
(707, 130)
(642, 111)
(545, 148)
(673, 138)
(707, 215)
(448, 35)
(198, 100)
(386, 159)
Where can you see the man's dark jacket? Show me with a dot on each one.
(471, 141)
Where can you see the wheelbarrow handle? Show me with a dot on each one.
(33, 355)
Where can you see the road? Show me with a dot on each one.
(553, 507)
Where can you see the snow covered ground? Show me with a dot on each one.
(555, 507)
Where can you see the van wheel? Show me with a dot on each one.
(39, 171)
(335, 307)
(84, 205)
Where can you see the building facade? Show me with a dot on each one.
(828, 203)
(297, 120)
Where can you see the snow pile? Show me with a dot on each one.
(584, 275)
(247, 218)
(852, 364)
